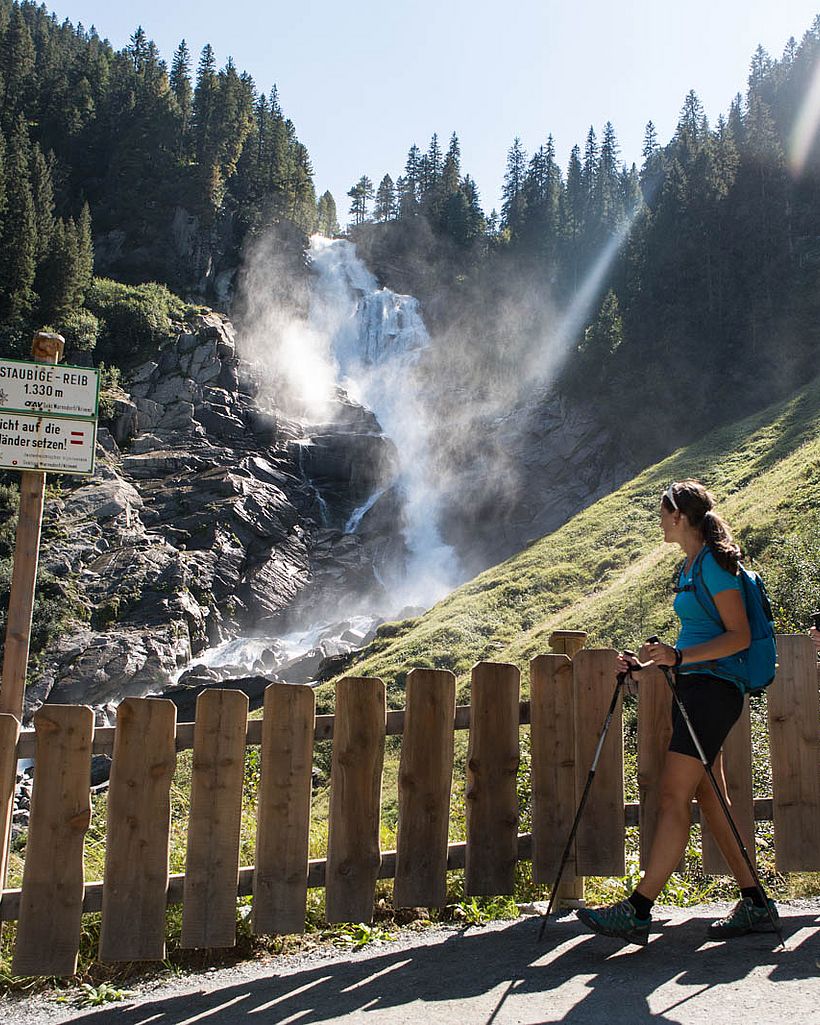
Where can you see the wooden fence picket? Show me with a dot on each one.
(48, 933)
(139, 819)
(353, 852)
(654, 733)
(492, 763)
(600, 839)
(795, 755)
(737, 763)
(424, 785)
(212, 862)
(552, 744)
(283, 828)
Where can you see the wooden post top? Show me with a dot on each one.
(567, 642)
(47, 347)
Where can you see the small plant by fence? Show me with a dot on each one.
(568, 699)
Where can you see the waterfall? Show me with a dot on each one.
(358, 515)
(324, 514)
(367, 341)
(376, 338)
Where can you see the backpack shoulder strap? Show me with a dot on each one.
(702, 595)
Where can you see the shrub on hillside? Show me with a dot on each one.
(133, 317)
(81, 329)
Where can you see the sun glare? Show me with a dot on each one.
(805, 127)
(583, 303)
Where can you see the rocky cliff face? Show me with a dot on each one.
(520, 475)
(208, 515)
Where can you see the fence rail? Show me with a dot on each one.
(567, 701)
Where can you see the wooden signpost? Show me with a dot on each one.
(47, 422)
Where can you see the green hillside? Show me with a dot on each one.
(608, 572)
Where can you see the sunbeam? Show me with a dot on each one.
(804, 131)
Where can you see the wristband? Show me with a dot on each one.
(678, 657)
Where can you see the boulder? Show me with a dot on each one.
(161, 463)
(177, 416)
(103, 500)
(173, 389)
(125, 421)
(220, 424)
(184, 695)
(142, 374)
(150, 413)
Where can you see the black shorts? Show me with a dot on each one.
(713, 706)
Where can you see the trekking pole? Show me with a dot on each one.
(620, 678)
(667, 672)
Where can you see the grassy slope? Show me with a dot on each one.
(606, 570)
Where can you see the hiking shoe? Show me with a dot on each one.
(745, 917)
(619, 920)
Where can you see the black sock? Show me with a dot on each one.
(641, 904)
(753, 894)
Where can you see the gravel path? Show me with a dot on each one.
(496, 975)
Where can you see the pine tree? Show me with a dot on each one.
(451, 168)
(137, 48)
(536, 182)
(85, 250)
(17, 59)
(232, 119)
(430, 168)
(726, 156)
(42, 195)
(18, 246)
(572, 214)
(180, 82)
(203, 105)
(608, 199)
(61, 278)
(590, 365)
(760, 69)
(327, 223)
(512, 192)
(692, 126)
(385, 206)
(476, 225)
(590, 166)
(650, 142)
(409, 185)
(360, 194)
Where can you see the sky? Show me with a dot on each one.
(362, 82)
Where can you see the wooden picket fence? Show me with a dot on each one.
(568, 700)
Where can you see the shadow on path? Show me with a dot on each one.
(475, 976)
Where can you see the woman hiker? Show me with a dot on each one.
(713, 704)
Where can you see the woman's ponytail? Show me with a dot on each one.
(720, 542)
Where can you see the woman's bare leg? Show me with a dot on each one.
(681, 778)
(721, 830)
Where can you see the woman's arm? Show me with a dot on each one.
(736, 636)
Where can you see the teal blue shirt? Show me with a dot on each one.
(696, 624)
